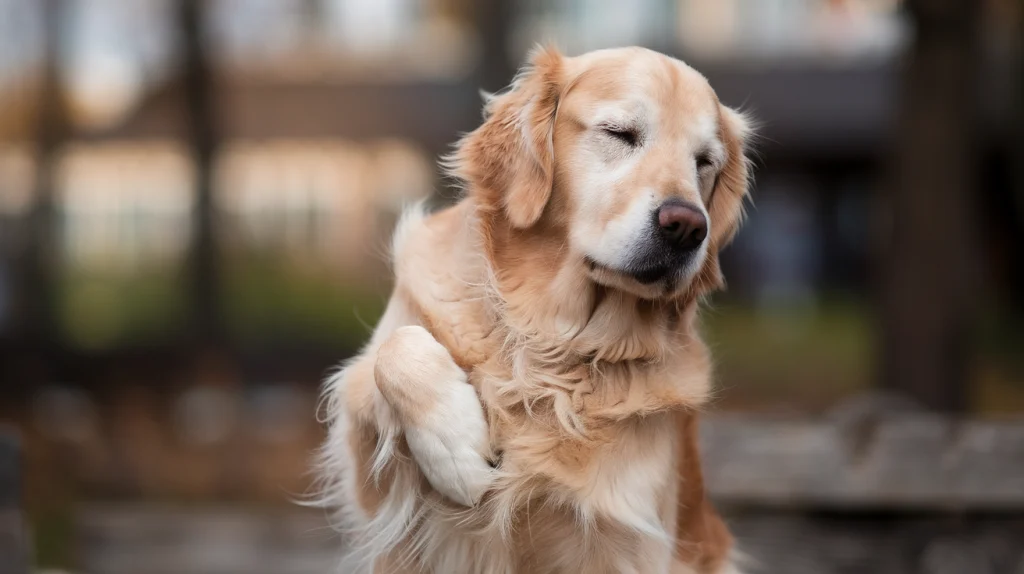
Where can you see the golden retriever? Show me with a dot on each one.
(526, 403)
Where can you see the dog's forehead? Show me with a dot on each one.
(631, 76)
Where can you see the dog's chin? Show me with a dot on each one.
(654, 282)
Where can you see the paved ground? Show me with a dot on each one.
(150, 540)
(161, 540)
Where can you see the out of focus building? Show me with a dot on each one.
(720, 29)
(329, 115)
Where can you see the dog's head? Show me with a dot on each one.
(623, 159)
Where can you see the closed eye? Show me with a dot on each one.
(704, 162)
(627, 136)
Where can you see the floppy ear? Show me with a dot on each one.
(725, 203)
(508, 162)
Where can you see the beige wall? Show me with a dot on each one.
(317, 201)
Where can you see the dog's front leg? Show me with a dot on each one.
(439, 412)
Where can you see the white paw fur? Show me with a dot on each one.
(449, 446)
(440, 413)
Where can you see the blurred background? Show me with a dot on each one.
(195, 198)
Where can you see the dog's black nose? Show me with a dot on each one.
(683, 225)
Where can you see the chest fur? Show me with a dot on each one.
(603, 506)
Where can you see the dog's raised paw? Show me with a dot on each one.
(450, 445)
(439, 411)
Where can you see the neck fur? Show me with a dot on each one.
(570, 340)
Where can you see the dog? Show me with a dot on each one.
(528, 401)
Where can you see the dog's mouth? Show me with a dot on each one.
(661, 277)
(652, 275)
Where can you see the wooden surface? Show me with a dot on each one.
(13, 541)
(874, 487)
(813, 543)
(906, 462)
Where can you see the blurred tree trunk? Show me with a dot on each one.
(207, 318)
(931, 260)
(1017, 159)
(494, 23)
(37, 291)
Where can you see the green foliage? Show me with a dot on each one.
(790, 357)
(101, 309)
(267, 299)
